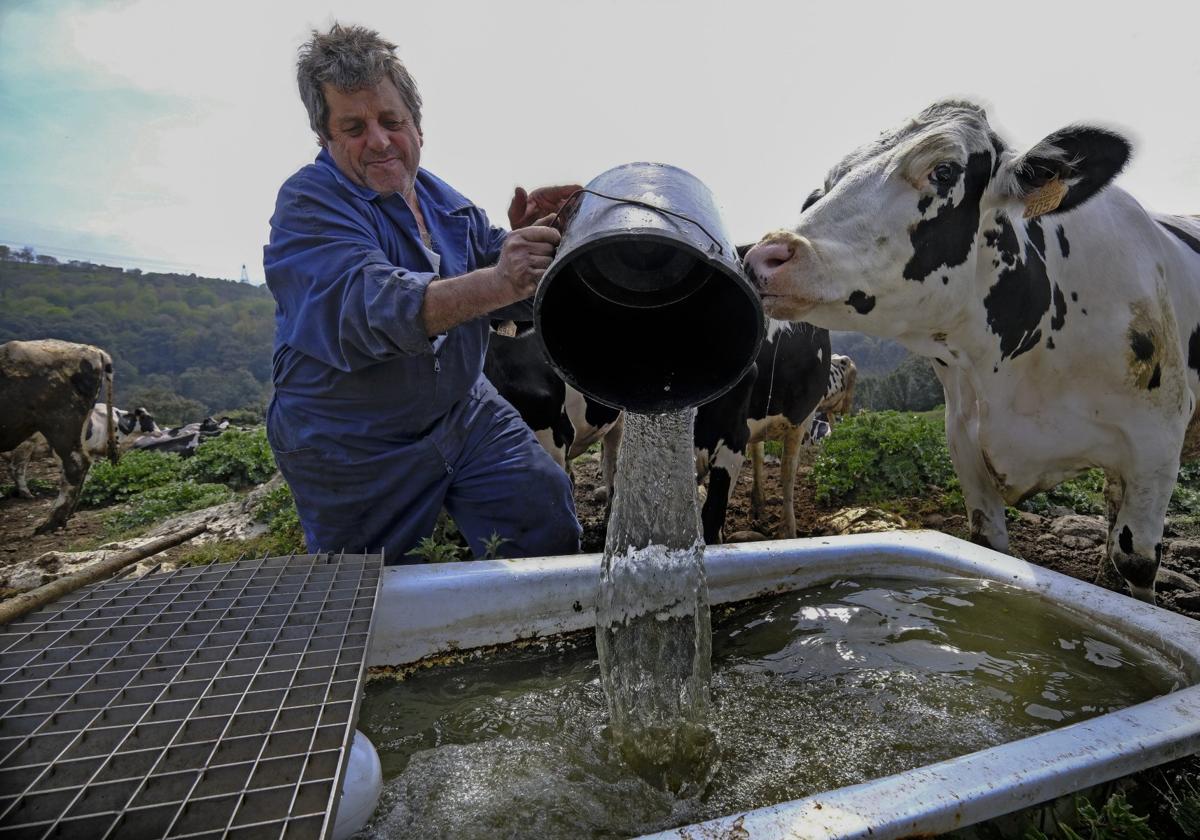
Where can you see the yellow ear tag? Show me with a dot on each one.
(1047, 197)
(508, 329)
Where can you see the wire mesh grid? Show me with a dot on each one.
(214, 701)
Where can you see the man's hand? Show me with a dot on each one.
(544, 201)
(525, 256)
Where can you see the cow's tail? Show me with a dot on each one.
(113, 454)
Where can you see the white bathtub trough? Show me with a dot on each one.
(431, 609)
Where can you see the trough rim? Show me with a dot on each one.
(425, 610)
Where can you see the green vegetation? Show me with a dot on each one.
(158, 503)
(1184, 508)
(37, 486)
(877, 456)
(151, 486)
(1114, 821)
(239, 459)
(1082, 495)
(138, 471)
(445, 545)
(277, 510)
(182, 346)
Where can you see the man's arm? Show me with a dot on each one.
(524, 258)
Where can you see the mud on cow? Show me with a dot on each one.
(1063, 317)
(131, 426)
(49, 387)
(776, 399)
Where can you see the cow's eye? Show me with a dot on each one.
(945, 174)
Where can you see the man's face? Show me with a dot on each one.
(373, 138)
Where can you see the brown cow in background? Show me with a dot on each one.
(50, 386)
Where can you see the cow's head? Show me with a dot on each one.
(889, 243)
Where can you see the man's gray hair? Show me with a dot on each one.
(350, 58)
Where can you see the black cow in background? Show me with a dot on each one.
(564, 421)
(775, 400)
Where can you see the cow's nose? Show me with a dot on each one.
(764, 258)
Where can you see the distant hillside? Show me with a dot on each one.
(872, 356)
(183, 346)
(889, 377)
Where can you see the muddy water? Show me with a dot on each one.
(653, 633)
(810, 691)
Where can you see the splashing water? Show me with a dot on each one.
(653, 631)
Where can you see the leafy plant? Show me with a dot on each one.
(874, 456)
(445, 545)
(235, 458)
(491, 546)
(1114, 821)
(278, 509)
(1082, 495)
(160, 502)
(138, 471)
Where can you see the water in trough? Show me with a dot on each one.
(810, 691)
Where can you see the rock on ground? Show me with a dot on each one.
(863, 521)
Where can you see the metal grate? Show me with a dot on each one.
(215, 701)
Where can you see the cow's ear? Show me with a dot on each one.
(1067, 168)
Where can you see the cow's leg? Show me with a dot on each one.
(19, 463)
(757, 492)
(610, 444)
(787, 477)
(1135, 535)
(75, 465)
(1114, 493)
(556, 451)
(985, 505)
(724, 467)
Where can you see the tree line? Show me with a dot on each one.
(183, 346)
(186, 347)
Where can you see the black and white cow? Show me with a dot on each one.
(839, 394)
(774, 400)
(837, 402)
(50, 386)
(564, 421)
(131, 426)
(1063, 317)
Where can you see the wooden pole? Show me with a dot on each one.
(17, 606)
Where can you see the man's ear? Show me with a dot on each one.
(1066, 169)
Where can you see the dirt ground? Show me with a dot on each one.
(1032, 538)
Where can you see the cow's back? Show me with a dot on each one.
(46, 379)
(793, 373)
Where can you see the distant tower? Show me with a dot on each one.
(245, 276)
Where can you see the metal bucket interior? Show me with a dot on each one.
(645, 306)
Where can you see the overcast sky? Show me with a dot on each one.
(156, 133)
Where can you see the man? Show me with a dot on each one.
(383, 276)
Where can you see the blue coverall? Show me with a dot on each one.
(375, 426)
